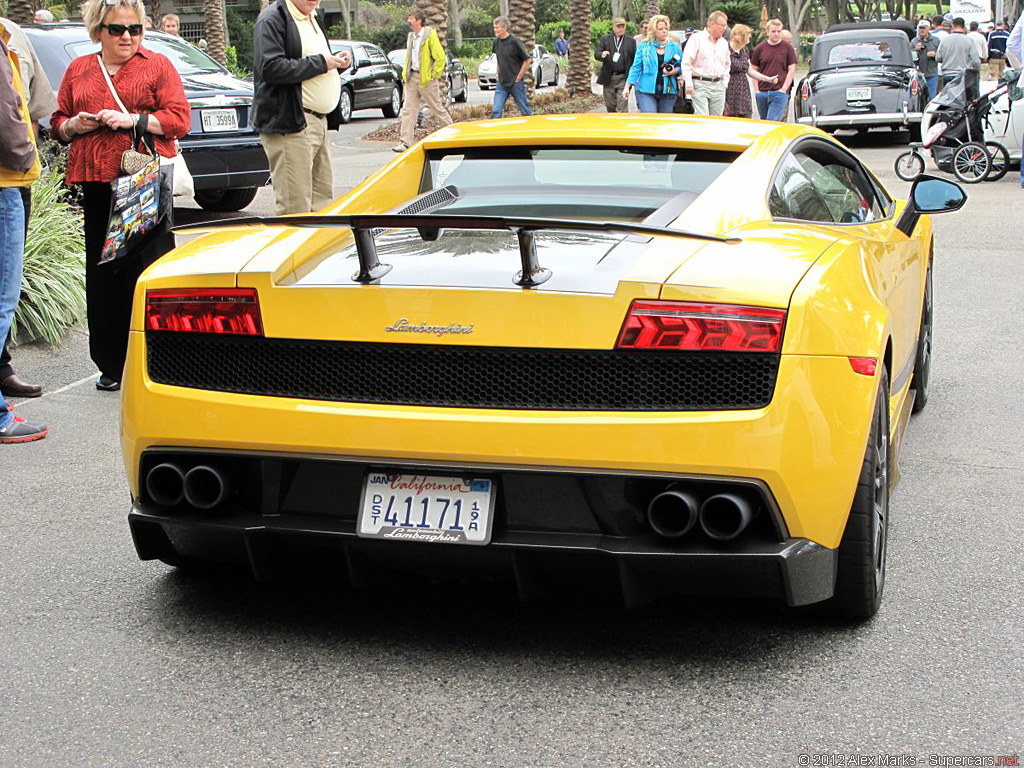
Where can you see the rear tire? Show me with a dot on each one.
(909, 165)
(463, 97)
(225, 200)
(1000, 160)
(394, 105)
(971, 162)
(536, 78)
(923, 361)
(555, 81)
(860, 576)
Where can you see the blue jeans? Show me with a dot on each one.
(518, 92)
(648, 102)
(12, 257)
(771, 105)
(933, 86)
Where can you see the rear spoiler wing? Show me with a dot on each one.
(366, 226)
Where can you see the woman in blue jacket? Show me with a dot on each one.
(655, 71)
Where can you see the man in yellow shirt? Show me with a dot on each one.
(19, 167)
(424, 66)
(297, 92)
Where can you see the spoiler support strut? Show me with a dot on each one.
(365, 226)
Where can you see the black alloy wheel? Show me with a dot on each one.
(923, 361)
(909, 165)
(860, 576)
(1000, 160)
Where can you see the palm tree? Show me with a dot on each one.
(21, 11)
(652, 8)
(578, 79)
(523, 18)
(216, 34)
(154, 13)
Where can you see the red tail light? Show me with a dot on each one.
(913, 86)
(204, 310)
(805, 91)
(679, 325)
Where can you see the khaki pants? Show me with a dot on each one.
(708, 98)
(300, 167)
(613, 100)
(429, 94)
(996, 68)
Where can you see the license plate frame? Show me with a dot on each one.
(385, 494)
(212, 120)
(858, 94)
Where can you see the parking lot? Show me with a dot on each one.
(106, 660)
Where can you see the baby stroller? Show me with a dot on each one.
(957, 137)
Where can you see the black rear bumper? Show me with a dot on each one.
(796, 571)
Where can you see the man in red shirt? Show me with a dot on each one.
(774, 57)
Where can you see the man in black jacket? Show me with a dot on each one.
(616, 52)
(296, 99)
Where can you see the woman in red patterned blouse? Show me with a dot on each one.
(90, 119)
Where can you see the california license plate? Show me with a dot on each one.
(858, 94)
(426, 508)
(215, 120)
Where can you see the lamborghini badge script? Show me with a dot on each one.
(404, 326)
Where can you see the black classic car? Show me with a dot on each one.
(371, 82)
(863, 76)
(223, 153)
(454, 72)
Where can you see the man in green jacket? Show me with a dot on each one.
(424, 66)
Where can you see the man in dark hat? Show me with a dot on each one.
(616, 52)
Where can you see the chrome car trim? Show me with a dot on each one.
(864, 119)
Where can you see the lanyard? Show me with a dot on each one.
(619, 43)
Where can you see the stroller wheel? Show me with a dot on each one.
(1000, 160)
(909, 165)
(971, 162)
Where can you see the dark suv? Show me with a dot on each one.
(223, 153)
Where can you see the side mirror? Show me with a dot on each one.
(930, 194)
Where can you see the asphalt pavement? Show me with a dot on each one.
(106, 660)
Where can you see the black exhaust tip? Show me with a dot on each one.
(165, 484)
(725, 516)
(207, 487)
(672, 513)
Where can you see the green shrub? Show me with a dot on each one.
(474, 49)
(740, 12)
(548, 33)
(53, 285)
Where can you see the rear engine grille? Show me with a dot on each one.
(464, 377)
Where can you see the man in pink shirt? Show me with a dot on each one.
(706, 66)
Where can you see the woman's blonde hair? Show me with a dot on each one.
(95, 11)
(741, 34)
(652, 25)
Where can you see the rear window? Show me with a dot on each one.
(583, 182)
(860, 53)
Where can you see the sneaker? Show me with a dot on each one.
(107, 384)
(401, 147)
(21, 431)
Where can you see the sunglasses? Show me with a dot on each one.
(118, 30)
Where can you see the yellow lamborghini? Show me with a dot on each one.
(674, 353)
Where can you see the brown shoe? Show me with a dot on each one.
(12, 386)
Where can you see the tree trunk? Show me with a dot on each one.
(215, 31)
(436, 17)
(21, 11)
(523, 18)
(346, 12)
(455, 23)
(618, 8)
(153, 6)
(578, 80)
(503, 8)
